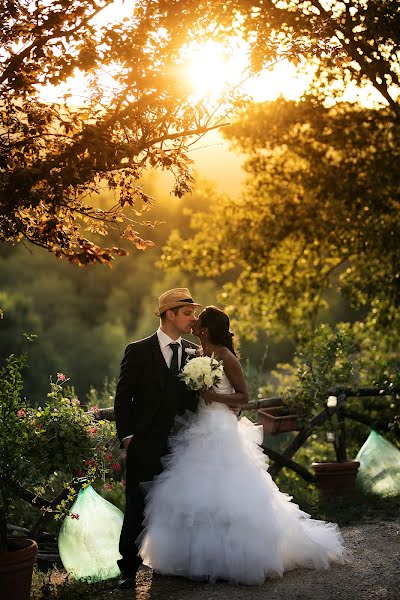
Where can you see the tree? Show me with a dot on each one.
(320, 209)
(363, 48)
(54, 158)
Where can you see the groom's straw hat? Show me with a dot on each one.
(173, 298)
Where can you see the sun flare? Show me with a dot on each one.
(212, 68)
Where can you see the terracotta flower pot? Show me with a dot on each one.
(275, 420)
(16, 568)
(336, 478)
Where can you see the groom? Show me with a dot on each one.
(149, 396)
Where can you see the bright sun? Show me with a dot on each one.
(211, 68)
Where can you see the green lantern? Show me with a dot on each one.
(89, 537)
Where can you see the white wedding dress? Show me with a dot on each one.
(215, 512)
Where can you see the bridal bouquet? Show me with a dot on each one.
(202, 372)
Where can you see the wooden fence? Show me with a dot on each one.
(340, 411)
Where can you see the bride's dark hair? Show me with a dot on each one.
(217, 323)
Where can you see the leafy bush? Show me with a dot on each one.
(104, 397)
(15, 464)
(350, 355)
(327, 359)
(42, 448)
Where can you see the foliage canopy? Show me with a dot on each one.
(320, 210)
(55, 157)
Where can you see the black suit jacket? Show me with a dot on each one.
(148, 397)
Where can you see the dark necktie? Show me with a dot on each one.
(174, 366)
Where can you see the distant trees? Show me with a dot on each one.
(82, 319)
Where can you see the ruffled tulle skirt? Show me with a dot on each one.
(215, 512)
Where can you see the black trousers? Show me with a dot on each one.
(142, 464)
(131, 528)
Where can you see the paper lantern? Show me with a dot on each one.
(379, 471)
(89, 537)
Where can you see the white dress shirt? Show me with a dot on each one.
(164, 340)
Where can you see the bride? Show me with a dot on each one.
(215, 512)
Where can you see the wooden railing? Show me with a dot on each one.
(340, 411)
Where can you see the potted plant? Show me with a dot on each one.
(275, 416)
(328, 360)
(39, 446)
(17, 556)
(277, 419)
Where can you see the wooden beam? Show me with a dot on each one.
(361, 392)
(107, 414)
(46, 515)
(33, 499)
(340, 442)
(49, 557)
(302, 436)
(263, 403)
(284, 461)
(104, 414)
(44, 537)
(366, 420)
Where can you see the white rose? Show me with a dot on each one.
(208, 380)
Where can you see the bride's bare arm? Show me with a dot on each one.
(233, 370)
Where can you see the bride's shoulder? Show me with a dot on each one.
(227, 356)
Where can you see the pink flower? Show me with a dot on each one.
(21, 412)
(61, 377)
(94, 409)
(108, 486)
(74, 516)
(109, 457)
(75, 401)
(116, 467)
(93, 430)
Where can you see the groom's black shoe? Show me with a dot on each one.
(127, 581)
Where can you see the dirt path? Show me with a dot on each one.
(373, 574)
